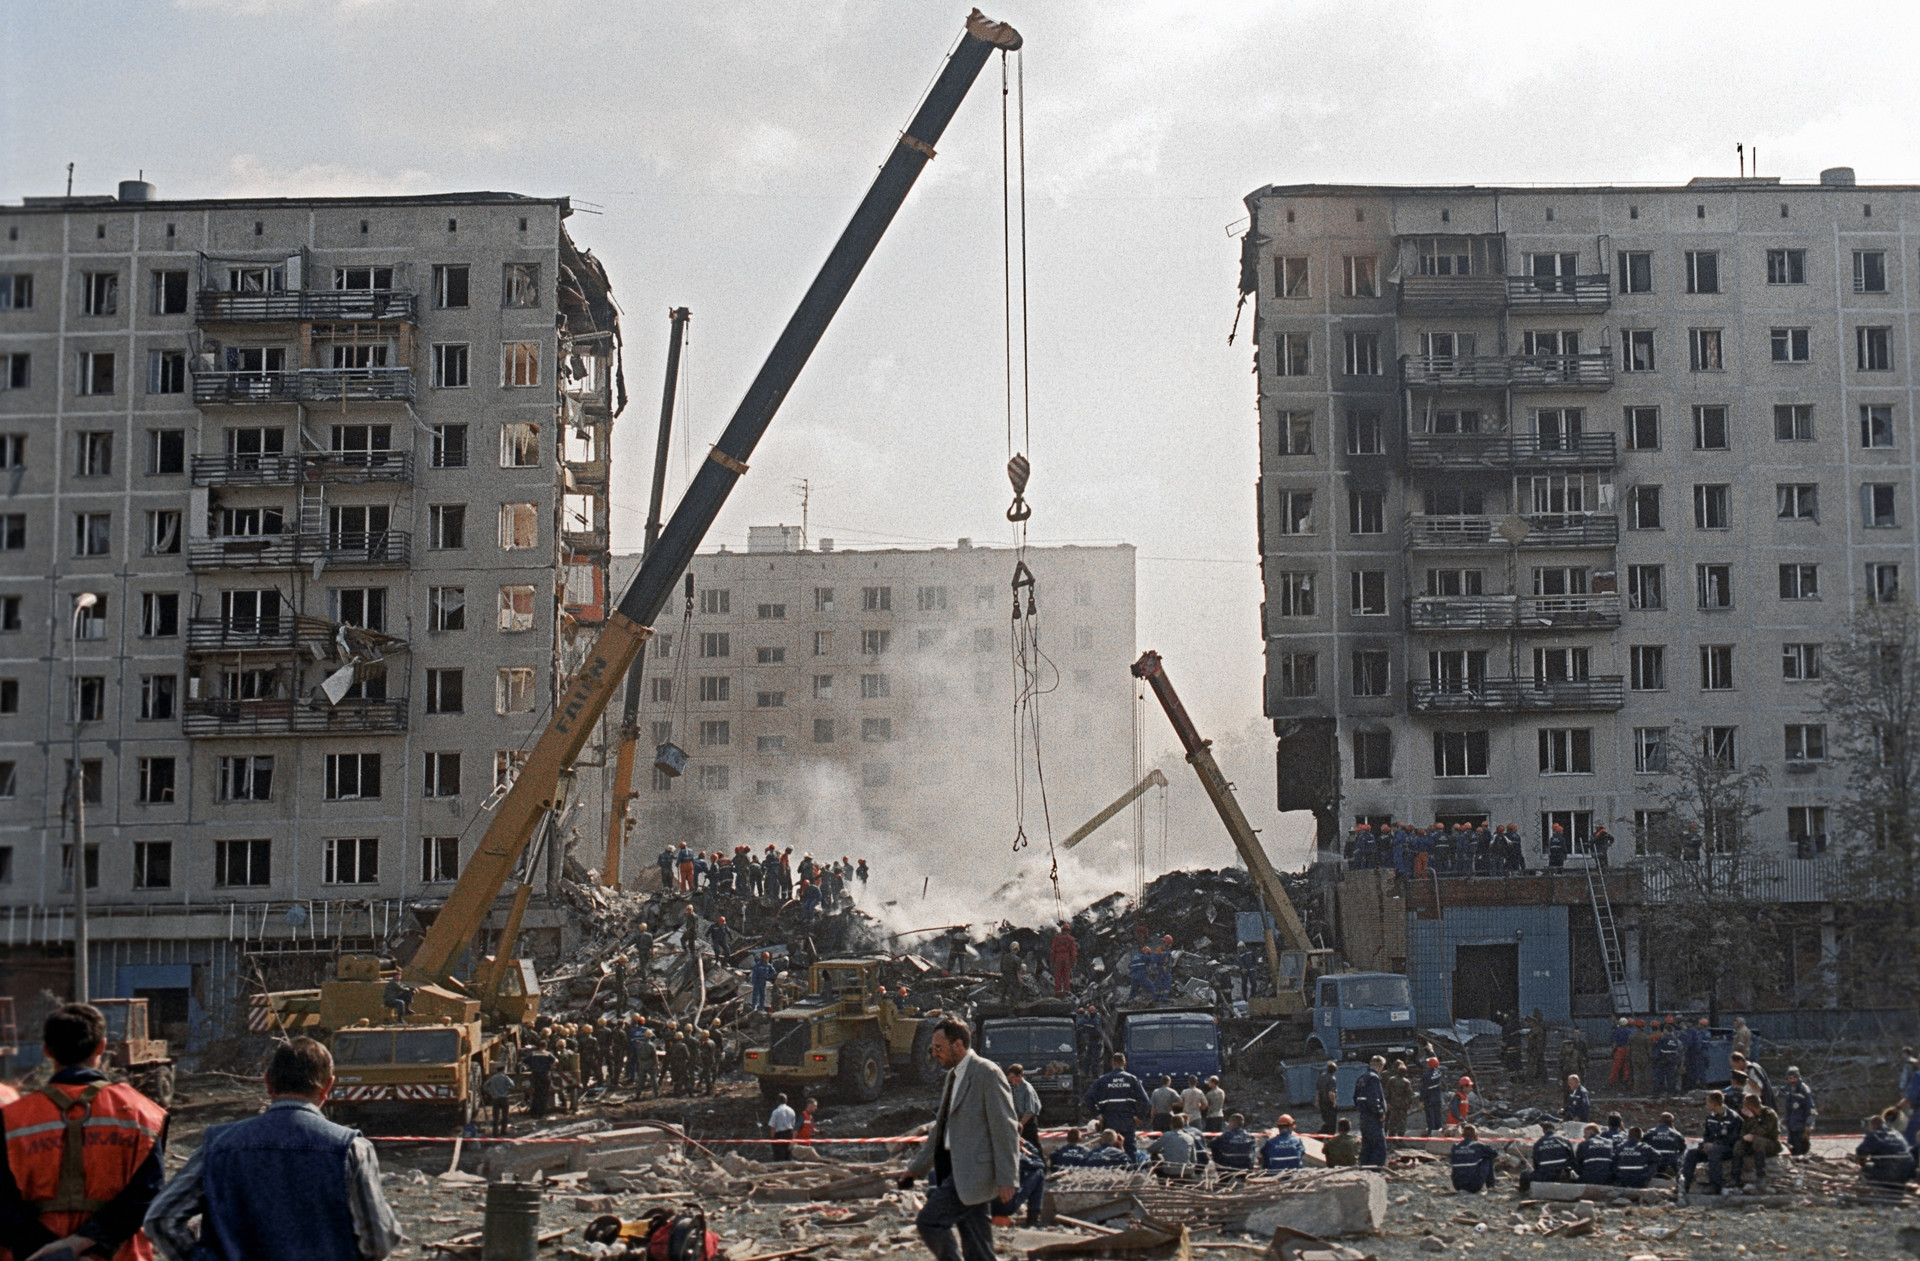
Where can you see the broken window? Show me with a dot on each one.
(577, 513)
(520, 285)
(1786, 267)
(1869, 271)
(513, 690)
(16, 292)
(447, 608)
(1291, 355)
(163, 532)
(1636, 271)
(519, 445)
(516, 608)
(100, 292)
(519, 526)
(96, 372)
(1295, 511)
(443, 775)
(1703, 349)
(352, 356)
(1294, 430)
(450, 285)
(1299, 674)
(92, 533)
(1362, 276)
(1710, 431)
(520, 364)
(449, 446)
(1290, 276)
(362, 278)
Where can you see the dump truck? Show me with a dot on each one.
(144, 1060)
(1039, 1037)
(846, 1036)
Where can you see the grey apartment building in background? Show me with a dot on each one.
(1554, 479)
(335, 471)
(861, 702)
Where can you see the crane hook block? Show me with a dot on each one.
(1019, 469)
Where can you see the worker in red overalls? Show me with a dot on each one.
(1065, 952)
(1459, 1102)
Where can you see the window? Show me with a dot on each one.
(1456, 582)
(1291, 355)
(1636, 271)
(1791, 345)
(362, 279)
(519, 445)
(1458, 753)
(159, 614)
(96, 372)
(1799, 582)
(1363, 354)
(9, 607)
(162, 536)
(1806, 742)
(1876, 426)
(1799, 663)
(1294, 592)
(9, 696)
(1710, 429)
(715, 688)
(1363, 434)
(166, 451)
(506, 766)
(92, 785)
(770, 656)
(513, 690)
(439, 855)
(769, 700)
(449, 446)
(13, 533)
(153, 864)
(519, 526)
(9, 781)
(1703, 348)
(167, 372)
(1649, 750)
(92, 533)
(16, 371)
(447, 608)
(714, 644)
(519, 364)
(1372, 672)
(365, 607)
(823, 643)
(520, 285)
(1873, 349)
(875, 775)
(442, 775)
(1566, 751)
(1703, 271)
(661, 692)
(1797, 502)
(1648, 663)
(1636, 350)
(823, 687)
(1643, 429)
(823, 731)
(1299, 674)
(351, 860)
(446, 526)
(1362, 276)
(156, 780)
(1715, 584)
(663, 647)
(95, 455)
(100, 292)
(1294, 431)
(875, 687)
(1717, 744)
(516, 608)
(451, 285)
(1793, 422)
(156, 696)
(877, 599)
(715, 778)
(1712, 507)
(1869, 271)
(242, 864)
(87, 702)
(1786, 267)
(933, 639)
(1716, 667)
(450, 366)
(1295, 511)
(1807, 830)
(1643, 508)
(876, 730)
(352, 776)
(1366, 512)
(1290, 277)
(823, 599)
(1373, 755)
(1369, 592)
(715, 732)
(873, 643)
(1876, 506)
(1883, 583)
(16, 292)
(447, 691)
(716, 601)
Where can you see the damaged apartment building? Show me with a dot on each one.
(304, 515)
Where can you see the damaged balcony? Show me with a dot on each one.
(1481, 533)
(1517, 696)
(1507, 612)
(289, 634)
(306, 466)
(1588, 370)
(307, 385)
(382, 549)
(302, 306)
(1508, 450)
(226, 719)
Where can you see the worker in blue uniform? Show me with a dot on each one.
(1120, 1100)
(1370, 1101)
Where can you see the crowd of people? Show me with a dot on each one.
(820, 888)
(1464, 849)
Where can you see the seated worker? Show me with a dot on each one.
(1284, 1150)
(1758, 1142)
(1180, 1151)
(1594, 1157)
(1552, 1159)
(1717, 1134)
(1472, 1162)
(1069, 1155)
(1669, 1147)
(1883, 1154)
(1343, 1148)
(1030, 1192)
(1633, 1161)
(1107, 1150)
(1234, 1147)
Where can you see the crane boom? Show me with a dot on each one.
(1266, 881)
(1154, 779)
(585, 696)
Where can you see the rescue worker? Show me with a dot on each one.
(1717, 1135)
(1030, 1191)
(1640, 1055)
(722, 938)
(91, 1200)
(1883, 1155)
(1284, 1151)
(1399, 1099)
(1064, 953)
(1759, 1141)
(763, 974)
(1160, 972)
(1071, 1154)
(567, 1051)
(1620, 1071)
(1460, 1102)
(398, 997)
(1433, 1091)
(619, 979)
(1572, 1060)
(1326, 1096)
(680, 1065)
(1800, 1113)
(665, 863)
(1756, 1076)
(1343, 1149)
(1557, 846)
(646, 1057)
(614, 1051)
(1579, 1105)
(1668, 1145)
(1471, 1162)
(1139, 980)
(1162, 1104)
(1666, 1058)
(1694, 1048)
(1011, 988)
(498, 1092)
(683, 861)
(589, 1051)
(1370, 1101)
(1119, 1100)
(1536, 1046)
(709, 1064)
(1633, 1162)
(1552, 1159)
(1594, 1158)
(539, 1063)
(1234, 1147)
(1179, 1151)
(1026, 1103)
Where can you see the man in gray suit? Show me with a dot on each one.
(972, 1152)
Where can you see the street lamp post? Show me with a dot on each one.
(78, 778)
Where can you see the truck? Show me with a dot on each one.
(845, 1036)
(144, 1060)
(1039, 1037)
(1172, 1042)
(1357, 1015)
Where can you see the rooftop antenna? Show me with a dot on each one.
(69, 179)
(804, 489)
(1741, 149)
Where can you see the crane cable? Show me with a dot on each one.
(1034, 673)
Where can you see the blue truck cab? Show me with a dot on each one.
(1358, 1014)
(1177, 1043)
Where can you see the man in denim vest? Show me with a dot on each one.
(287, 1184)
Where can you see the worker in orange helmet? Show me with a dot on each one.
(1433, 1094)
(1458, 1103)
(95, 1204)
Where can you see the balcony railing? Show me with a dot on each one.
(1560, 293)
(1507, 450)
(378, 548)
(1506, 612)
(1572, 529)
(1453, 292)
(1600, 692)
(283, 632)
(1587, 371)
(227, 718)
(288, 470)
(308, 385)
(299, 306)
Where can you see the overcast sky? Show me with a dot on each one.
(724, 145)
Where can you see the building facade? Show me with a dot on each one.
(1553, 480)
(862, 703)
(304, 515)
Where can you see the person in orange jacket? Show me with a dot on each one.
(1459, 1102)
(1064, 953)
(48, 1204)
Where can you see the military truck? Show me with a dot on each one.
(846, 1035)
(144, 1060)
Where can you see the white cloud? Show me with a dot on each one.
(248, 176)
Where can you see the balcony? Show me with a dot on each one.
(1560, 293)
(1453, 293)
(382, 549)
(1506, 612)
(285, 633)
(1545, 530)
(228, 719)
(308, 466)
(301, 306)
(1517, 696)
(1511, 450)
(308, 385)
(1591, 370)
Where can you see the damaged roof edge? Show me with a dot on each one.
(99, 202)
